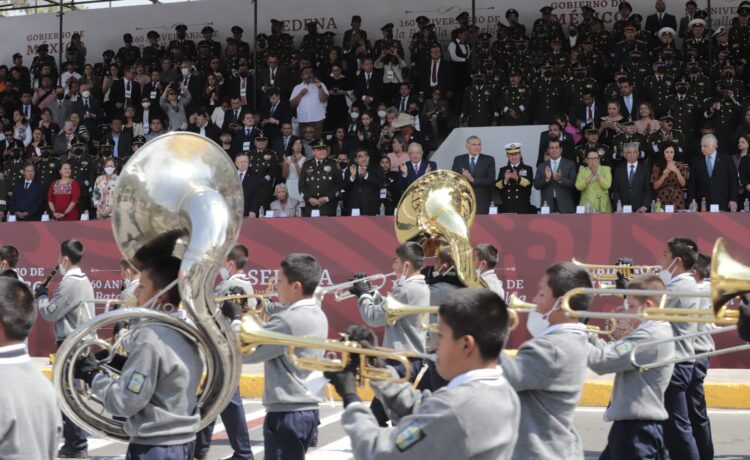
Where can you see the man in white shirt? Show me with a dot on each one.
(309, 99)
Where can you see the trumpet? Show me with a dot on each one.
(519, 306)
(341, 291)
(260, 311)
(608, 273)
(253, 334)
(653, 343)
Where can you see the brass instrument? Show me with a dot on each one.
(178, 195)
(604, 273)
(519, 305)
(253, 334)
(341, 291)
(439, 209)
(259, 311)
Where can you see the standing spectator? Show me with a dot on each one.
(125, 92)
(274, 114)
(201, 124)
(88, 108)
(713, 177)
(93, 82)
(669, 177)
(48, 126)
(415, 167)
(435, 110)
(79, 130)
(391, 64)
(368, 133)
(21, 128)
(242, 141)
(61, 107)
(632, 184)
(320, 181)
(368, 86)
(104, 188)
(479, 170)
(292, 169)
(339, 86)
(610, 126)
(284, 206)
(33, 150)
(362, 182)
(556, 179)
(391, 186)
(4, 209)
(121, 140)
(27, 201)
(646, 124)
(63, 195)
(309, 98)
(594, 181)
(233, 116)
(64, 140)
(744, 167)
(555, 132)
(174, 105)
(514, 182)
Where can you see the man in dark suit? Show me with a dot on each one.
(275, 112)
(555, 132)
(27, 201)
(368, 86)
(404, 98)
(250, 184)
(274, 77)
(242, 140)
(436, 74)
(193, 82)
(415, 168)
(89, 108)
(479, 169)
(589, 110)
(629, 101)
(282, 145)
(122, 140)
(234, 116)
(631, 184)
(241, 86)
(556, 179)
(660, 19)
(125, 92)
(203, 125)
(153, 90)
(690, 8)
(713, 177)
(29, 110)
(362, 182)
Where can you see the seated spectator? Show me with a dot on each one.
(284, 206)
(610, 126)
(32, 150)
(399, 155)
(155, 129)
(48, 126)
(405, 124)
(594, 181)
(555, 132)
(340, 143)
(368, 133)
(63, 195)
(387, 131)
(64, 140)
(646, 122)
(21, 128)
(415, 167)
(104, 188)
(80, 130)
(200, 123)
(274, 114)
(669, 177)
(569, 128)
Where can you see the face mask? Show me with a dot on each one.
(61, 268)
(109, 170)
(146, 105)
(60, 96)
(694, 70)
(185, 72)
(127, 283)
(682, 90)
(77, 151)
(381, 113)
(243, 74)
(537, 322)
(224, 273)
(354, 115)
(86, 94)
(666, 274)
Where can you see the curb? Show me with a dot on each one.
(595, 393)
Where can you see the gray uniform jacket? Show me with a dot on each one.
(68, 308)
(493, 283)
(474, 417)
(636, 395)
(284, 387)
(705, 343)
(548, 373)
(156, 391)
(407, 334)
(30, 422)
(684, 283)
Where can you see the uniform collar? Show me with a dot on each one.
(476, 374)
(73, 271)
(239, 276)
(12, 354)
(573, 327)
(681, 276)
(306, 302)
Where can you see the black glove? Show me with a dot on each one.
(360, 288)
(345, 382)
(236, 290)
(362, 334)
(622, 282)
(116, 363)
(743, 326)
(231, 310)
(40, 291)
(85, 369)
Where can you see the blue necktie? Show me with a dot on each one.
(710, 165)
(472, 164)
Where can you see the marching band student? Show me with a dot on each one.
(9, 258)
(474, 417)
(484, 258)
(292, 416)
(407, 334)
(637, 403)
(156, 391)
(30, 424)
(68, 309)
(549, 370)
(130, 278)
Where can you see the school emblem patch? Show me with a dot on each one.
(136, 383)
(410, 435)
(624, 347)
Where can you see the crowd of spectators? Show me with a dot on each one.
(645, 115)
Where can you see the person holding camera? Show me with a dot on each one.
(392, 65)
(173, 102)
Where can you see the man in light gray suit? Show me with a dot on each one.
(60, 107)
(556, 179)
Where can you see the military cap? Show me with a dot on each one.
(546, 10)
(478, 74)
(627, 121)
(319, 144)
(207, 30)
(261, 136)
(509, 12)
(587, 8)
(127, 38)
(139, 140)
(462, 16)
(17, 55)
(701, 14)
(666, 116)
(180, 28)
(16, 145)
(106, 141)
(666, 30)
(261, 36)
(388, 26)
(152, 34)
(719, 32)
(240, 30)
(743, 10)
(636, 18)
(276, 22)
(743, 3)
(513, 147)
(591, 128)
(356, 18)
(311, 25)
(484, 36)
(515, 72)
(204, 45)
(624, 5)
(430, 26)
(43, 47)
(555, 40)
(697, 22)
(422, 20)
(727, 65)
(78, 142)
(108, 53)
(501, 26)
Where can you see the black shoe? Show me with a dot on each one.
(200, 456)
(65, 452)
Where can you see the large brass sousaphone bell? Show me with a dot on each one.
(440, 207)
(729, 279)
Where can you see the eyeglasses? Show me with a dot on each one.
(593, 159)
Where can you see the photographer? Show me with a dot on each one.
(391, 64)
(173, 102)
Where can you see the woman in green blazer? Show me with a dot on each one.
(594, 181)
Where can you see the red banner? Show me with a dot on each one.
(344, 246)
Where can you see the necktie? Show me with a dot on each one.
(86, 103)
(590, 115)
(59, 104)
(286, 142)
(28, 114)
(26, 187)
(242, 176)
(631, 174)
(247, 132)
(273, 109)
(434, 72)
(554, 166)
(273, 75)
(472, 164)
(660, 17)
(237, 115)
(403, 105)
(367, 80)
(128, 88)
(710, 165)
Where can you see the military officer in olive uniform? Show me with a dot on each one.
(387, 42)
(483, 49)
(723, 110)
(579, 83)
(514, 182)
(106, 149)
(480, 103)
(700, 85)
(515, 101)
(314, 44)
(188, 47)
(621, 53)
(739, 37)
(684, 107)
(320, 181)
(128, 54)
(102, 68)
(629, 136)
(666, 134)
(548, 96)
(658, 87)
(208, 40)
(591, 134)
(243, 47)
(355, 31)
(13, 165)
(84, 170)
(43, 59)
(47, 166)
(154, 52)
(265, 168)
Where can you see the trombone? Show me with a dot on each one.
(653, 343)
(253, 334)
(520, 306)
(341, 291)
(608, 273)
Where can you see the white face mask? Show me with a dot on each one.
(536, 322)
(86, 94)
(355, 115)
(381, 113)
(109, 170)
(61, 268)
(185, 72)
(224, 273)
(127, 283)
(146, 105)
(666, 274)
